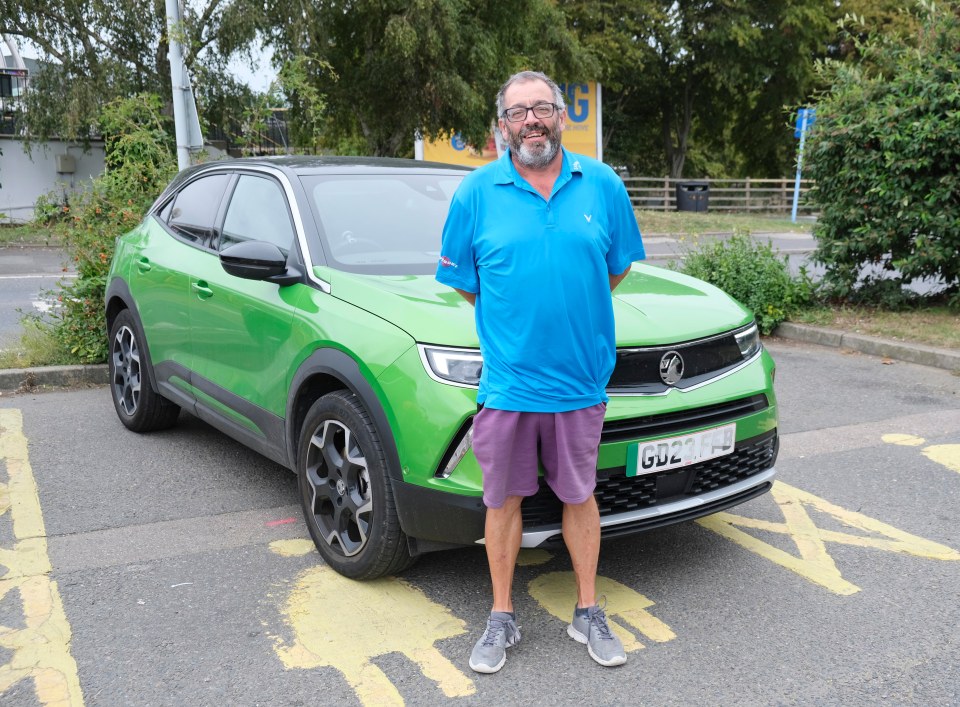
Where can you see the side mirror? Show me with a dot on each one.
(258, 260)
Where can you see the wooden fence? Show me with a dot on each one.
(772, 195)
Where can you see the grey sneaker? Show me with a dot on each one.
(592, 629)
(490, 653)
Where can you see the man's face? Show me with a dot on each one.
(534, 141)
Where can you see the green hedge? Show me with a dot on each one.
(884, 153)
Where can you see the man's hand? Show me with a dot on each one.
(614, 279)
(471, 297)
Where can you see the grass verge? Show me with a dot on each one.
(934, 326)
(27, 234)
(37, 347)
(685, 223)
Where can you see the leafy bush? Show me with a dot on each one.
(884, 153)
(139, 164)
(754, 274)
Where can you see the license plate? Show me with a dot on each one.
(675, 452)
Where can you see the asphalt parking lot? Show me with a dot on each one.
(174, 568)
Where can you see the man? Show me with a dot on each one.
(537, 241)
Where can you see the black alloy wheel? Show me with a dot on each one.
(344, 490)
(138, 406)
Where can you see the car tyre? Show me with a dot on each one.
(139, 407)
(346, 495)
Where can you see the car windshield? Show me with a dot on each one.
(386, 224)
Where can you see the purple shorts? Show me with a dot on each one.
(508, 446)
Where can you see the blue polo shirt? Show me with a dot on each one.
(540, 269)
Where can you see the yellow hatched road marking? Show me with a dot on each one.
(40, 651)
(815, 562)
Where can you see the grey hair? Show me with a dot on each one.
(523, 77)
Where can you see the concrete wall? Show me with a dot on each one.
(24, 177)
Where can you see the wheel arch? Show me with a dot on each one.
(325, 371)
(118, 298)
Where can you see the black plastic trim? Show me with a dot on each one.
(118, 289)
(271, 426)
(335, 363)
(428, 514)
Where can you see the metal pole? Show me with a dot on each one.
(796, 183)
(177, 74)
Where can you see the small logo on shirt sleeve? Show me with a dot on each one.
(588, 217)
(446, 262)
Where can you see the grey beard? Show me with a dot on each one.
(534, 158)
(540, 158)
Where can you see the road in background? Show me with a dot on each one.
(26, 274)
(798, 247)
(174, 568)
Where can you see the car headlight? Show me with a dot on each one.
(748, 340)
(459, 367)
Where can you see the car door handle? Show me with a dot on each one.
(203, 292)
(143, 265)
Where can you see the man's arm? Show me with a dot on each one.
(471, 297)
(614, 280)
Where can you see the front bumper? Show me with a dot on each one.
(437, 520)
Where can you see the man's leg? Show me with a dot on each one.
(504, 529)
(581, 533)
(502, 535)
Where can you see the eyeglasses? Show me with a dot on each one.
(540, 110)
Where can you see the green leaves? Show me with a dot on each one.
(140, 163)
(884, 154)
(754, 274)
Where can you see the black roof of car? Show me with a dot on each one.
(309, 164)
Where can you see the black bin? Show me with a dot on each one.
(693, 196)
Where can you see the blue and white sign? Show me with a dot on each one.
(805, 118)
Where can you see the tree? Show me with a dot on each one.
(884, 153)
(94, 53)
(388, 69)
(879, 17)
(690, 77)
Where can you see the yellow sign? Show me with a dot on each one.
(582, 134)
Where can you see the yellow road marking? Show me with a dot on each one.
(946, 454)
(41, 650)
(556, 593)
(815, 562)
(530, 557)
(292, 548)
(391, 616)
(903, 439)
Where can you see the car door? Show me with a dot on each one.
(170, 247)
(240, 328)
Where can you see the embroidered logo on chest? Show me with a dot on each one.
(588, 217)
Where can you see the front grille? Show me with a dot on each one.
(618, 493)
(638, 370)
(682, 420)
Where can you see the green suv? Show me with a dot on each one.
(291, 304)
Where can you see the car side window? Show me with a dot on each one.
(164, 213)
(257, 212)
(194, 211)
